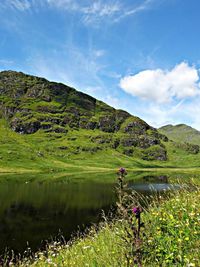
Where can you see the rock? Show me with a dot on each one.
(46, 125)
(116, 143)
(128, 152)
(92, 125)
(107, 124)
(100, 139)
(129, 141)
(142, 141)
(25, 127)
(120, 117)
(155, 153)
(83, 122)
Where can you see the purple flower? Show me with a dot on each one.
(136, 211)
(122, 170)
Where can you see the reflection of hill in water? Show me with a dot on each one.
(150, 184)
(56, 195)
(34, 211)
(154, 187)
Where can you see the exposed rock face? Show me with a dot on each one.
(143, 141)
(107, 124)
(136, 127)
(30, 104)
(27, 127)
(92, 125)
(155, 153)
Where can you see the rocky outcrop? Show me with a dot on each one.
(107, 124)
(136, 127)
(155, 153)
(143, 141)
(25, 127)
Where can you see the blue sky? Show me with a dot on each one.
(139, 55)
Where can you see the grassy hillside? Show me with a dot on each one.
(181, 133)
(50, 127)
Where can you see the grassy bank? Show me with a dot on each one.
(72, 152)
(170, 237)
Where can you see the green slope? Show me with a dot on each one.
(50, 127)
(181, 133)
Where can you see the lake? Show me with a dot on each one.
(35, 210)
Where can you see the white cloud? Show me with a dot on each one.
(6, 62)
(70, 5)
(98, 53)
(92, 12)
(20, 5)
(137, 9)
(97, 10)
(162, 86)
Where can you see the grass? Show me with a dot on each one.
(170, 237)
(173, 232)
(181, 133)
(64, 142)
(73, 152)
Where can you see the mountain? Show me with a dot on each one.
(36, 109)
(181, 133)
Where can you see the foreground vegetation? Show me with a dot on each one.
(170, 237)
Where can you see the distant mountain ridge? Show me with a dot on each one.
(181, 133)
(32, 105)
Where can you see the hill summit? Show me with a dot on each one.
(181, 133)
(31, 105)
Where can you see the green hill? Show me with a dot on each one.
(50, 126)
(181, 133)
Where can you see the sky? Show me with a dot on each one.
(142, 56)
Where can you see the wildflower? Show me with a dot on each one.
(122, 171)
(86, 247)
(137, 210)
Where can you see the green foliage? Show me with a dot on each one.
(172, 237)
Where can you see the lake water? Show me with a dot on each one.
(32, 211)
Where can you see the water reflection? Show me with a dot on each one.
(152, 184)
(35, 211)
